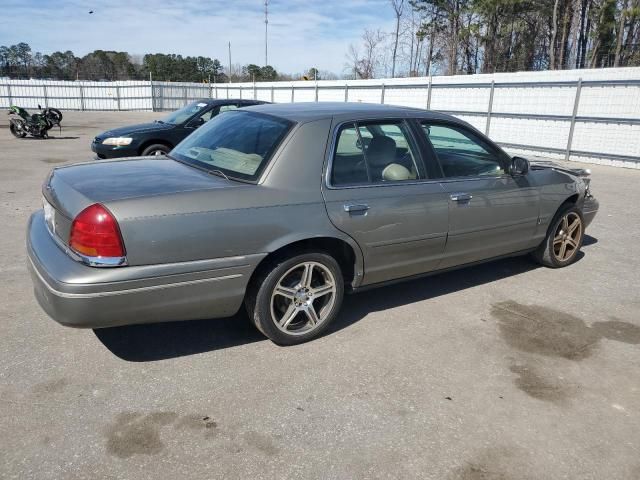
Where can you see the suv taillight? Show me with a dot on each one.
(95, 233)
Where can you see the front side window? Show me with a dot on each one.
(208, 115)
(239, 144)
(226, 108)
(180, 116)
(461, 153)
(373, 152)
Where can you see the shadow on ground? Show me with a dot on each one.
(141, 343)
(589, 240)
(49, 138)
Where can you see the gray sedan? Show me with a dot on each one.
(283, 208)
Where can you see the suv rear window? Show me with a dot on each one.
(239, 144)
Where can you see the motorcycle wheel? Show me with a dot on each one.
(17, 129)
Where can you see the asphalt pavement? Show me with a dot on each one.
(501, 371)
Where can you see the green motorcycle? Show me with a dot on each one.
(36, 125)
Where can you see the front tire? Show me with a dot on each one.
(564, 239)
(157, 149)
(295, 299)
(54, 116)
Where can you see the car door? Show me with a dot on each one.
(377, 191)
(491, 212)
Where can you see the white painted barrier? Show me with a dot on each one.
(585, 115)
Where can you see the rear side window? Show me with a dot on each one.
(373, 153)
(462, 153)
(239, 144)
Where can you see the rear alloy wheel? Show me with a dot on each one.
(17, 129)
(297, 298)
(156, 150)
(564, 239)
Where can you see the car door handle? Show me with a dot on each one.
(356, 208)
(460, 197)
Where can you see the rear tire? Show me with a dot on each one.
(294, 299)
(16, 131)
(156, 149)
(564, 239)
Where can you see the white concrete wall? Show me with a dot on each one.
(610, 101)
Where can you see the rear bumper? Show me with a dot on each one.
(76, 295)
(590, 209)
(110, 151)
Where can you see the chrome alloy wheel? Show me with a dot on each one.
(567, 237)
(303, 298)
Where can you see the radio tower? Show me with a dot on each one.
(266, 25)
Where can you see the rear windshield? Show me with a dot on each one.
(239, 144)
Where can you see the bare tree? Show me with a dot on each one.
(398, 7)
(365, 64)
(620, 33)
(554, 34)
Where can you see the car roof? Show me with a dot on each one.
(342, 111)
(227, 101)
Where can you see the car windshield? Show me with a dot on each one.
(238, 144)
(186, 112)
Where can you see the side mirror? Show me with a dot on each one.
(196, 122)
(519, 166)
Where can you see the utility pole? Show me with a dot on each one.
(266, 26)
(229, 62)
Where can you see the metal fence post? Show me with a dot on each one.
(576, 104)
(346, 92)
(216, 90)
(255, 96)
(153, 95)
(240, 90)
(316, 91)
(210, 91)
(9, 93)
(490, 108)
(81, 97)
(382, 95)
(118, 96)
(429, 94)
(184, 92)
(293, 93)
(227, 91)
(271, 93)
(44, 90)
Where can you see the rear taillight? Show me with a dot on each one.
(95, 233)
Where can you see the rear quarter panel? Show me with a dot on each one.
(284, 207)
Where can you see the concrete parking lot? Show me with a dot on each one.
(500, 371)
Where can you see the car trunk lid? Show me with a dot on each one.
(71, 189)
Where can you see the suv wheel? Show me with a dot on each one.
(295, 299)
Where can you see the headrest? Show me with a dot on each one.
(381, 151)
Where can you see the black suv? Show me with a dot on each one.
(161, 136)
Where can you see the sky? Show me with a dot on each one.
(302, 33)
